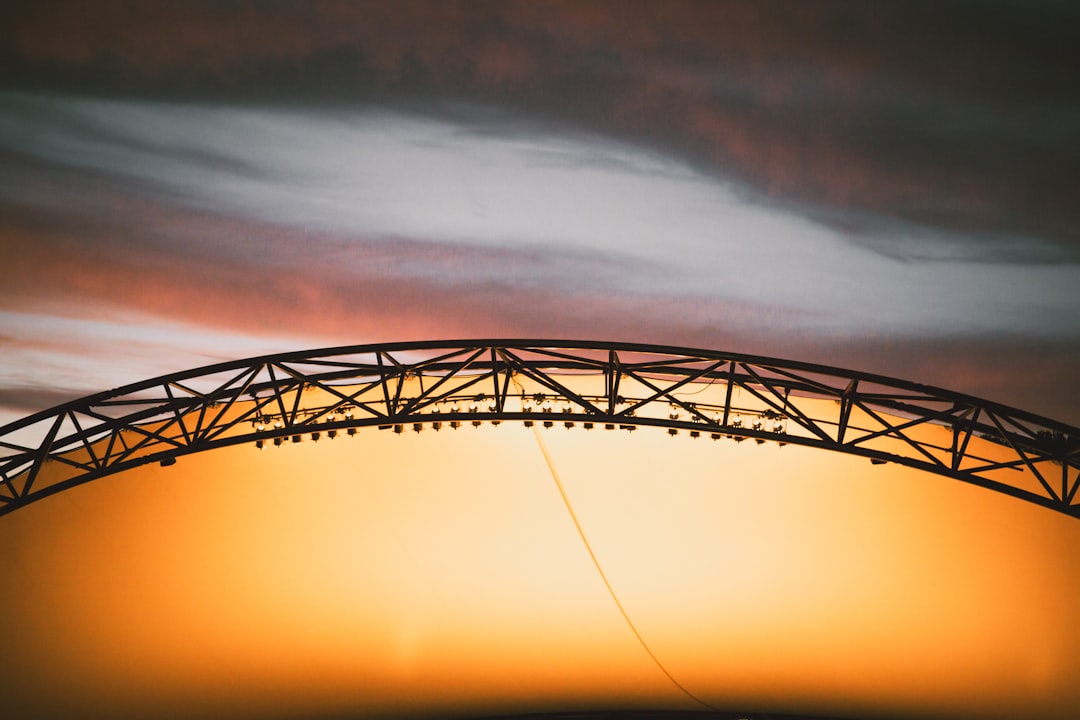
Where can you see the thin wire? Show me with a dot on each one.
(600, 570)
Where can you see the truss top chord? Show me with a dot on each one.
(608, 385)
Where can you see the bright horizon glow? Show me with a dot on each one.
(440, 573)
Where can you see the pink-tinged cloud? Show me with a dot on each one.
(211, 288)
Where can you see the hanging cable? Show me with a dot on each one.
(600, 571)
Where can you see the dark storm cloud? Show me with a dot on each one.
(959, 115)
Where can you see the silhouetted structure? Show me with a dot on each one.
(592, 385)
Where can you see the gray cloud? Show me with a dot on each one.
(563, 210)
(956, 115)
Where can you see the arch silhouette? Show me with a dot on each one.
(311, 395)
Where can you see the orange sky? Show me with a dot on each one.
(441, 573)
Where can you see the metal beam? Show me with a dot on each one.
(618, 385)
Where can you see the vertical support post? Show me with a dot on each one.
(385, 388)
(43, 452)
(495, 381)
(612, 373)
(959, 449)
(847, 400)
(727, 397)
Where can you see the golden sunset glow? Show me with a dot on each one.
(441, 572)
(539, 360)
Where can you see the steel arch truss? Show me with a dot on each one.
(292, 397)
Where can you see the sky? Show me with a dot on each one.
(875, 186)
(439, 575)
(887, 187)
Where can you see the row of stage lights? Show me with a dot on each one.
(540, 401)
(543, 404)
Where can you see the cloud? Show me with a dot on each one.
(769, 179)
(89, 304)
(955, 115)
(513, 209)
(15, 402)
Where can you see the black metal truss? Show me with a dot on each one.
(322, 393)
